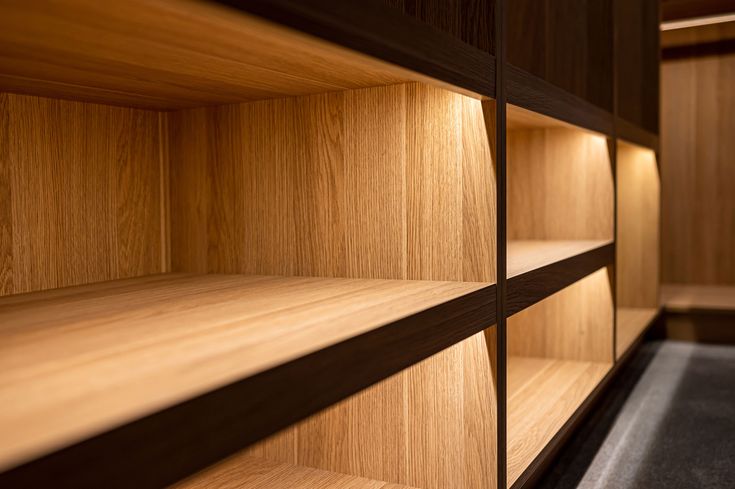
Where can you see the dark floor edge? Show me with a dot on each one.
(169, 445)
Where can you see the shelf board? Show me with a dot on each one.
(170, 54)
(536, 94)
(631, 133)
(543, 394)
(698, 298)
(631, 323)
(249, 472)
(538, 268)
(79, 361)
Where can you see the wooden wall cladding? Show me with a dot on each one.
(471, 21)
(560, 185)
(637, 56)
(637, 248)
(573, 324)
(399, 430)
(394, 182)
(80, 193)
(568, 43)
(698, 177)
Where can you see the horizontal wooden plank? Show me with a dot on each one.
(537, 269)
(169, 54)
(533, 93)
(243, 471)
(78, 361)
(543, 394)
(698, 298)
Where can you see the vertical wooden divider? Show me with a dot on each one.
(390, 182)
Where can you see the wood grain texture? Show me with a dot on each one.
(205, 53)
(687, 9)
(637, 58)
(543, 393)
(692, 298)
(573, 324)
(392, 182)
(631, 323)
(637, 261)
(77, 361)
(697, 175)
(560, 185)
(80, 188)
(568, 44)
(527, 255)
(248, 472)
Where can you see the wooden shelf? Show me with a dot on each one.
(169, 54)
(78, 361)
(539, 268)
(249, 472)
(631, 323)
(698, 298)
(536, 94)
(543, 394)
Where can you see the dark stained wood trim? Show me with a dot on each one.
(689, 9)
(167, 446)
(714, 48)
(535, 285)
(383, 32)
(542, 462)
(631, 133)
(534, 93)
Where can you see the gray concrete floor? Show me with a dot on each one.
(668, 421)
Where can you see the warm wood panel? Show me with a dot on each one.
(560, 185)
(638, 245)
(80, 193)
(391, 182)
(573, 324)
(690, 298)
(399, 429)
(631, 323)
(527, 255)
(543, 393)
(77, 361)
(697, 174)
(248, 472)
(168, 54)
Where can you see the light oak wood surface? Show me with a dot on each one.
(80, 193)
(167, 54)
(573, 324)
(637, 247)
(248, 472)
(685, 298)
(543, 393)
(527, 255)
(560, 185)
(697, 171)
(631, 322)
(76, 361)
(391, 182)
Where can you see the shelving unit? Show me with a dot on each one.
(262, 243)
(638, 245)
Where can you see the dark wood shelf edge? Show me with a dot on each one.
(533, 286)
(167, 446)
(631, 133)
(536, 94)
(380, 31)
